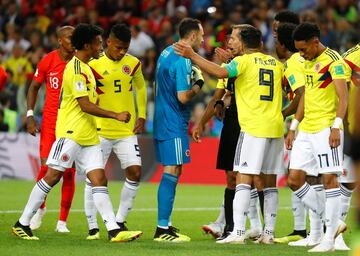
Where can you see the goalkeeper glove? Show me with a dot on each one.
(197, 77)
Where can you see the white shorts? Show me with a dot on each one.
(310, 147)
(65, 151)
(348, 173)
(310, 167)
(127, 150)
(259, 155)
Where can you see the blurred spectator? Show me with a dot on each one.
(15, 38)
(22, 70)
(140, 42)
(344, 34)
(344, 10)
(12, 15)
(4, 127)
(10, 116)
(3, 78)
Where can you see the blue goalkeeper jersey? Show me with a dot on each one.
(173, 75)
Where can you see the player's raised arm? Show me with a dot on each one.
(185, 50)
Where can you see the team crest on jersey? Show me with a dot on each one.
(345, 173)
(65, 157)
(187, 152)
(126, 69)
(317, 67)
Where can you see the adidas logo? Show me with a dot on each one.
(244, 164)
(105, 72)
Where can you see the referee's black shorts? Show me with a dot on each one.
(228, 140)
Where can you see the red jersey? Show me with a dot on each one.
(50, 69)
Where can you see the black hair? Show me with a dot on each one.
(85, 34)
(121, 32)
(251, 37)
(287, 17)
(187, 25)
(284, 36)
(306, 31)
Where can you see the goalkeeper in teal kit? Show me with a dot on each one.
(177, 82)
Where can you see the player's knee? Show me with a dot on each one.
(99, 180)
(330, 181)
(293, 183)
(52, 177)
(133, 173)
(231, 179)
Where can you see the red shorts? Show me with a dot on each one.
(47, 137)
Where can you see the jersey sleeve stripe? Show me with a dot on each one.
(331, 54)
(77, 67)
(136, 67)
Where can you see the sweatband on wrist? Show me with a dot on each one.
(294, 124)
(337, 123)
(30, 112)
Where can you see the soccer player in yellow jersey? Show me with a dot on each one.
(227, 146)
(76, 137)
(260, 144)
(118, 75)
(293, 84)
(320, 138)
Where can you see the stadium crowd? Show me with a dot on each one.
(28, 32)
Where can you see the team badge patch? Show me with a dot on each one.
(339, 70)
(126, 69)
(65, 157)
(317, 67)
(79, 86)
(292, 79)
(187, 152)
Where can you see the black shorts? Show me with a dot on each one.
(228, 140)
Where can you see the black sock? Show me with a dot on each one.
(114, 232)
(298, 232)
(228, 205)
(261, 200)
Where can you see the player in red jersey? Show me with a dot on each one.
(50, 70)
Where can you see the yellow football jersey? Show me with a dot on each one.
(321, 100)
(293, 74)
(258, 94)
(352, 58)
(116, 85)
(72, 122)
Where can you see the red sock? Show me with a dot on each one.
(67, 193)
(41, 174)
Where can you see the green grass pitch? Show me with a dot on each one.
(194, 206)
